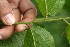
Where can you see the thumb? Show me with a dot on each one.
(6, 14)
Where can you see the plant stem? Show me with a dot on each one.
(66, 21)
(43, 20)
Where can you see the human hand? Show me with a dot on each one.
(10, 12)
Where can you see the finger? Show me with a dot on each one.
(8, 29)
(6, 13)
(6, 32)
(15, 9)
(17, 15)
(29, 12)
(11, 29)
(14, 6)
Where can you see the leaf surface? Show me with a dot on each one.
(50, 7)
(40, 38)
(67, 5)
(16, 40)
(68, 33)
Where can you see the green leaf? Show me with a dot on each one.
(68, 33)
(50, 7)
(38, 37)
(28, 41)
(16, 40)
(67, 5)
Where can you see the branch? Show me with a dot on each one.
(43, 20)
(66, 21)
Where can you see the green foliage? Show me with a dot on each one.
(28, 41)
(50, 7)
(16, 40)
(68, 33)
(67, 5)
(40, 38)
(45, 34)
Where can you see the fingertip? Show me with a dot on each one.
(21, 27)
(1, 37)
(9, 19)
(6, 32)
(6, 13)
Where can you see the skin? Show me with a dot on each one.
(22, 10)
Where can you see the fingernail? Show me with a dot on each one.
(22, 27)
(9, 19)
(0, 37)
